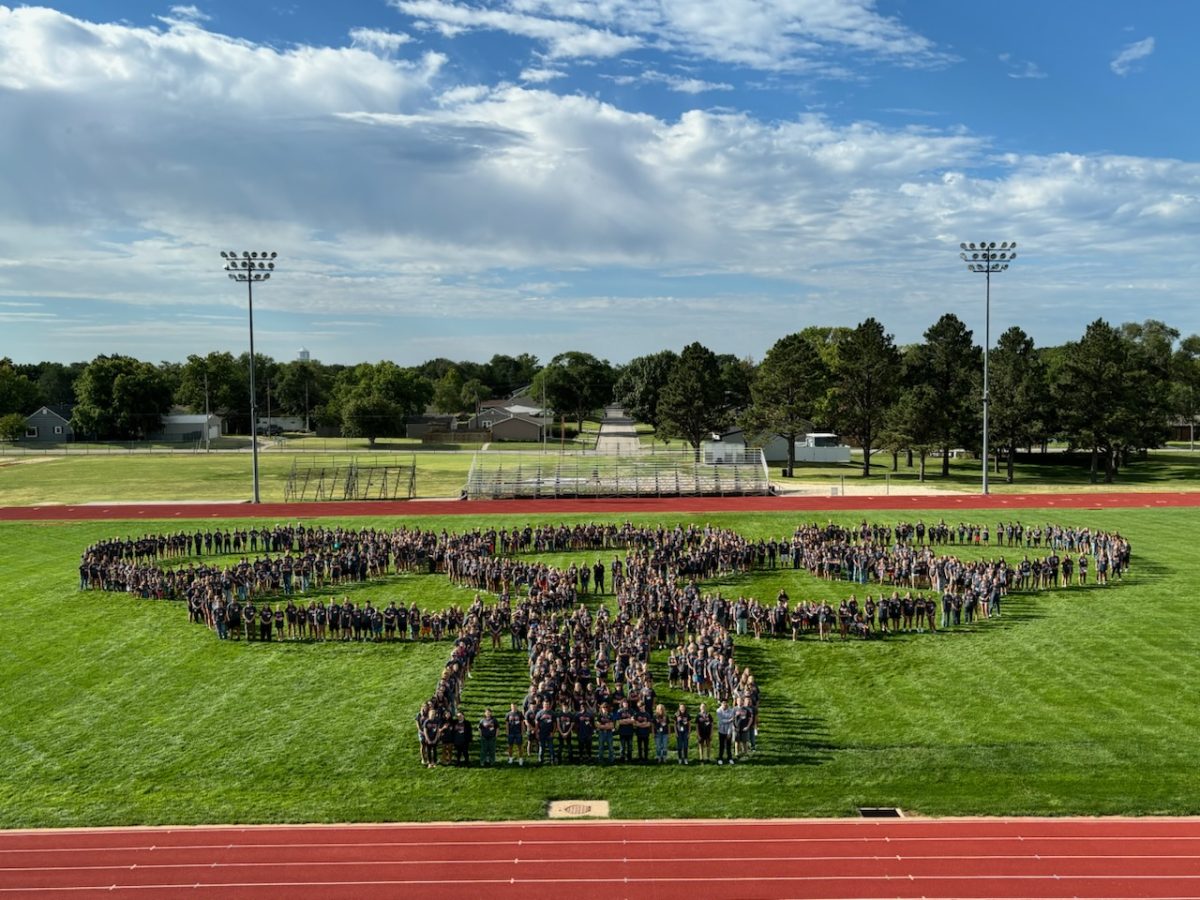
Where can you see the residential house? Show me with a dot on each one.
(49, 426)
(518, 428)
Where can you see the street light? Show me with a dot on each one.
(989, 258)
(251, 266)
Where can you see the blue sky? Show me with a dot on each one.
(466, 177)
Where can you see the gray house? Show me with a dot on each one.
(518, 428)
(48, 427)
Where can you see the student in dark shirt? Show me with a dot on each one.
(625, 732)
(431, 734)
(250, 617)
(643, 723)
(704, 731)
(515, 728)
(544, 723)
(743, 719)
(662, 733)
(683, 731)
(564, 730)
(585, 727)
(460, 739)
(488, 726)
(606, 724)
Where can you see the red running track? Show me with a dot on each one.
(961, 858)
(598, 506)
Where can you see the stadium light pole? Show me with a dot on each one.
(251, 266)
(989, 258)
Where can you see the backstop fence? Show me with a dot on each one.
(339, 478)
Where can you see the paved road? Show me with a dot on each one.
(618, 436)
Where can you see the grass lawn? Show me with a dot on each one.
(119, 711)
(223, 476)
(1160, 471)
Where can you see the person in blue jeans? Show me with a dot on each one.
(683, 732)
(662, 732)
(605, 725)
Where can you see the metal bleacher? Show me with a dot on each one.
(499, 475)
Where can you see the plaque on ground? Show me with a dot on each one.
(578, 809)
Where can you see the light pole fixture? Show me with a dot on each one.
(989, 258)
(251, 266)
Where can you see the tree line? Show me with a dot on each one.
(1111, 393)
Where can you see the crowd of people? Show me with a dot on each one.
(591, 695)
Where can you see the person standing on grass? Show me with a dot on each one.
(250, 620)
(662, 733)
(585, 727)
(431, 734)
(218, 614)
(743, 720)
(725, 733)
(683, 730)
(564, 729)
(704, 730)
(544, 723)
(625, 732)
(514, 724)
(488, 726)
(460, 740)
(643, 724)
(605, 726)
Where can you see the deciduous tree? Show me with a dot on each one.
(120, 397)
(640, 384)
(692, 403)
(1019, 393)
(866, 380)
(789, 392)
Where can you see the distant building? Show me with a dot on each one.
(824, 447)
(285, 423)
(48, 426)
(184, 427)
(303, 355)
(518, 428)
(419, 426)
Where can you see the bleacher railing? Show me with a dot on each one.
(496, 476)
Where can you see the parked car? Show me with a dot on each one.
(270, 430)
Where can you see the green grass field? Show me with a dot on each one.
(30, 480)
(1159, 471)
(226, 476)
(119, 711)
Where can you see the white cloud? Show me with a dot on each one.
(189, 13)
(1021, 68)
(563, 38)
(541, 75)
(764, 34)
(379, 40)
(678, 83)
(1125, 61)
(143, 152)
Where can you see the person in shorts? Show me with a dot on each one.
(514, 724)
